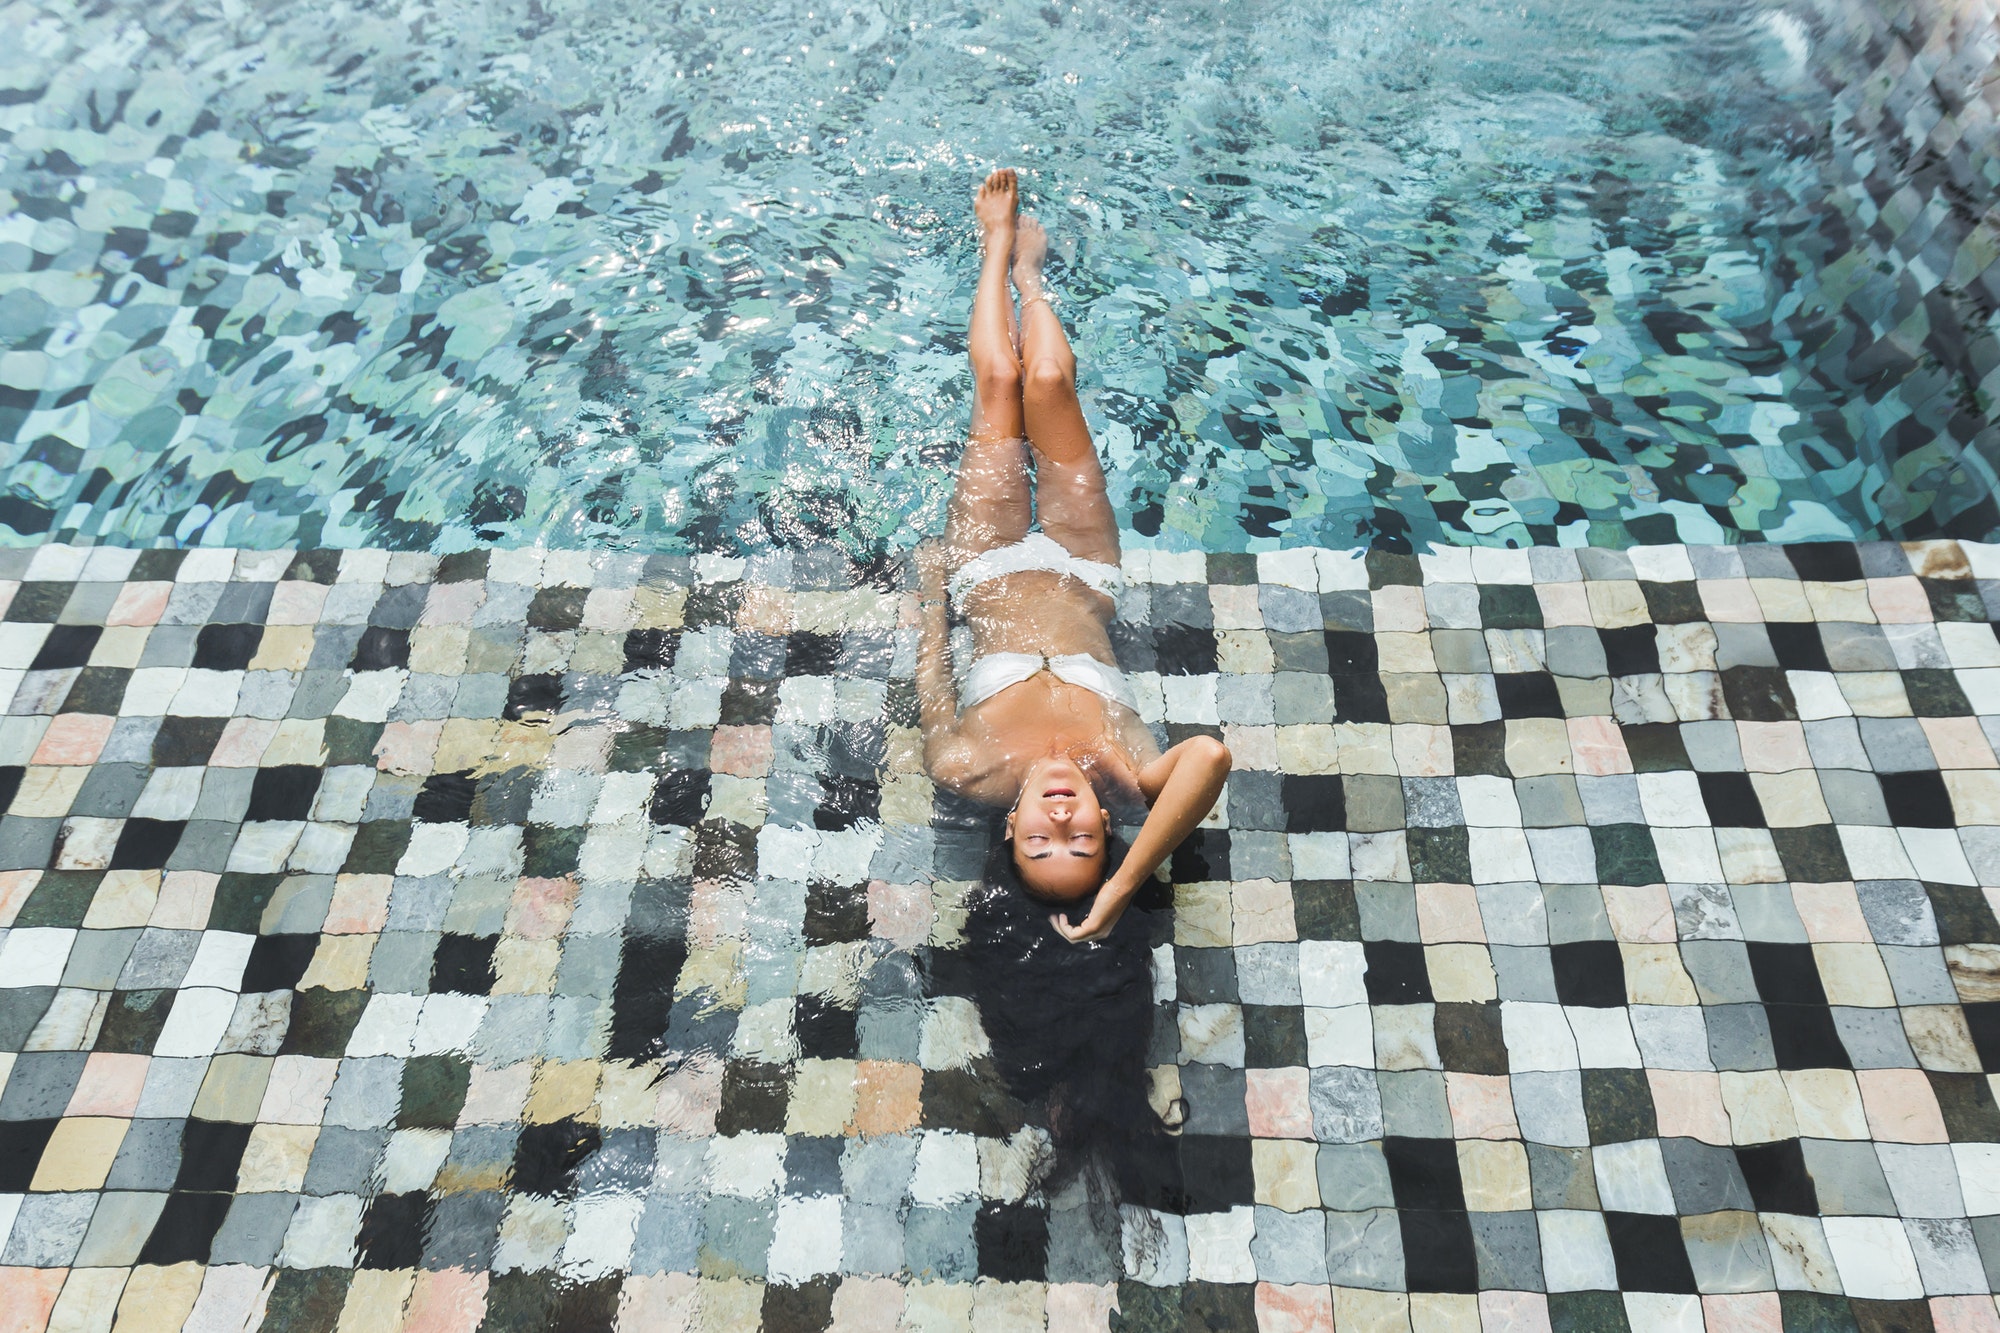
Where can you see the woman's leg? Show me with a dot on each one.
(991, 504)
(1069, 481)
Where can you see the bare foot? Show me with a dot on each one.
(996, 202)
(1031, 247)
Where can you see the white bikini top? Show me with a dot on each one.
(989, 675)
(1037, 550)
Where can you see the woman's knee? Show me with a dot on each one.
(997, 377)
(1049, 376)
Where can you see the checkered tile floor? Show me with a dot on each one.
(1587, 940)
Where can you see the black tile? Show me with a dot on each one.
(1204, 856)
(1314, 803)
(60, 898)
(1217, 1172)
(1785, 973)
(1424, 1172)
(1351, 653)
(1631, 651)
(1013, 1242)
(446, 798)
(145, 844)
(226, 647)
(1184, 650)
(681, 797)
(1966, 1101)
(1274, 1036)
(811, 654)
(1672, 603)
(1759, 694)
(1509, 606)
(1731, 800)
(1396, 973)
(10, 784)
(463, 965)
(835, 913)
(211, 1151)
(557, 609)
(1440, 855)
(747, 703)
(381, 648)
(1656, 747)
(1438, 1253)
(278, 961)
(323, 567)
(67, 646)
(21, 1144)
(1812, 854)
(754, 1098)
(1358, 696)
(642, 999)
(283, 792)
(845, 802)
(186, 742)
(132, 1022)
(322, 1022)
(651, 649)
(1918, 800)
(1480, 749)
(1625, 854)
(1803, 1036)
(185, 1229)
(98, 690)
(539, 693)
(39, 603)
(1963, 915)
(546, 1156)
(1936, 694)
(1469, 1038)
(434, 1088)
(392, 1231)
(1528, 694)
(1649, 1253)
(1618, 1105)
(1798, 645)
(805, 1308)
(1777, 1177)
(378, 845)
(550, 853)
(1589, 972)
(826, 1030)
(1324, 909)
(1826, 562)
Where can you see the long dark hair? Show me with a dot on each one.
(1071, 1025)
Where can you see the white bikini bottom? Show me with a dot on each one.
(1037, 550)
(989, 675)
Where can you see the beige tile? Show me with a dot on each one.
(1791, 799)
(1831, 913)
(1461, 973)
(276, 1157)
(157, 1299)
(1827, 1103)
(1616, 603)
(1975, 971)
(1940, 1038)
(1286, 1173)
(233, 1089)
(1415, 697)
(562, 1089)
(1537, 745)
(79, 1154)
(1759, 1106)
(1654, 975)
(1874, 693)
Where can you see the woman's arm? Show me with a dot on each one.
(1181, 786)
(937, 702)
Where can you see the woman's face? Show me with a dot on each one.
(1059, 830)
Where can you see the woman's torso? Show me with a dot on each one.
(1038, 611)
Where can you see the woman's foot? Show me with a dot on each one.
(1031, 247)
(996, 202)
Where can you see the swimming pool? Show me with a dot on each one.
(677, 278)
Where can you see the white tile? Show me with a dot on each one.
(1538, 1036)
(806, 1240)
(1344, 1036)
(219, 960)
(1632, 1177)
(1219, 1246)
(1155, 1246)
(1576, 1251)
(411, 1160)
(750, 1165)
(387, 1025)
(1603, 1037)
(1331, 973)
(947, 1168)
(35, 956)
(1874, 1258)
(601, 1228)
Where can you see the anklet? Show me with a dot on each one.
(1043, 298)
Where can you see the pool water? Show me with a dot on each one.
(676, 278)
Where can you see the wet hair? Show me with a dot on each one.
(1002, 870)
(1071, 1027)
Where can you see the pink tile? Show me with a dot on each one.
(1831, 913)
(360, 905)
(715, 912)
(232, 1296)
(446, 1301)
(741, 752)
(1901, 1106)
(899, 913)
(1422, 750)
(1482, 1106)
(453, 603)
(297, 1090)
(690, 1096)
(1958, 742)
(1641, 914)
(1773, 747)
(1449, 913)
(407, 747)
(541, 907)
(73, 738)
(110, 1085)
(659, 1301)
(1964, 1314)
(1399, 608)
(1279, 1102)
(582, 748)
(1688, 1104)
(185, 899)
(1513, 1312)
(886, 1097)
(1598, 746)
(27, 1295)
(1082, 1306)
(1747, 1312)
(244, 740)
(139, 604)
(875, 1305)
(1900, 601)
(15, 886)
(1291, 1309)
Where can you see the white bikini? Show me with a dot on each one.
(989, 675)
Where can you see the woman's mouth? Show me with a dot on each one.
(1054, 792)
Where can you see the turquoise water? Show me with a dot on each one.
(667, 277)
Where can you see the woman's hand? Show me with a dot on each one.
(930, 568)
(1092, 929)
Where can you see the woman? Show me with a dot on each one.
(1045, 724)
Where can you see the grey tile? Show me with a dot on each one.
(1847, 1178)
